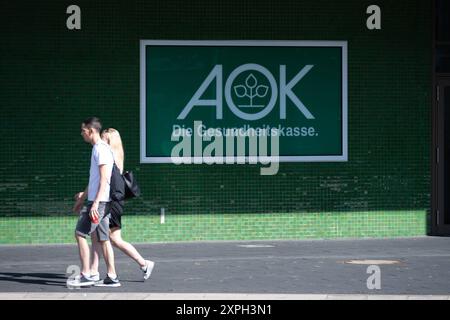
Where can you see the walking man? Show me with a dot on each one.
(94, 221)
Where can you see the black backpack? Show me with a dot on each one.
(132, 189)
(123, 186)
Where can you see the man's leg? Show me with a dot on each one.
(102, 233)
(83, 248)
(108, 254)
(82, 230)
(96, 252)
(111, 280)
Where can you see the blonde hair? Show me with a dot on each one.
(112, 137)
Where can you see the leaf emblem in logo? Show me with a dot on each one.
(251, 90)
(261, 91)
(240, 90)
(251, 81)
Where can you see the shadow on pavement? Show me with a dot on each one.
(40, 278)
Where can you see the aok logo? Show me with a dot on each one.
(249, 89)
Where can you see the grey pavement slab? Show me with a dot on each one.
(304, 267)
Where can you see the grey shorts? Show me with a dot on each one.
(85, 226)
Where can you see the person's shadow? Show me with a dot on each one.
(50, 279)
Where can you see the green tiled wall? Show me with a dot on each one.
(53, 78)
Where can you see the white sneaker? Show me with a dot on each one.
(95, 277)
(149, 265)
(80, 281)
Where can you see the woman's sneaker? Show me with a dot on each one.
(108, 282)
(148, 269)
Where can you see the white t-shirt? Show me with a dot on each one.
(101, 154)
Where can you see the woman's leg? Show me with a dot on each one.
(126, 247)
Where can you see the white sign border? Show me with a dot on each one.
(246, 43)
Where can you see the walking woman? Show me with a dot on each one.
(112, 137)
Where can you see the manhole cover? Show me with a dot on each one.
(375, 262)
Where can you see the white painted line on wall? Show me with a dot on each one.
(163, 216)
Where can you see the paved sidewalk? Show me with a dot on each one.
(306, 269)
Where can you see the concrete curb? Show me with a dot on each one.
(208, 296)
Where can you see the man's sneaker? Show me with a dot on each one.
(80, 281)
(95, 277)
(108, 282)
(148, 269)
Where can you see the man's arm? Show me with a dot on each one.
(101, 189)
(79, 200)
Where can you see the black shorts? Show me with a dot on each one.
(116, 210)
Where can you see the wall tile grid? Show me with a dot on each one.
(53, 78)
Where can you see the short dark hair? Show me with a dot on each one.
(93, 122)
